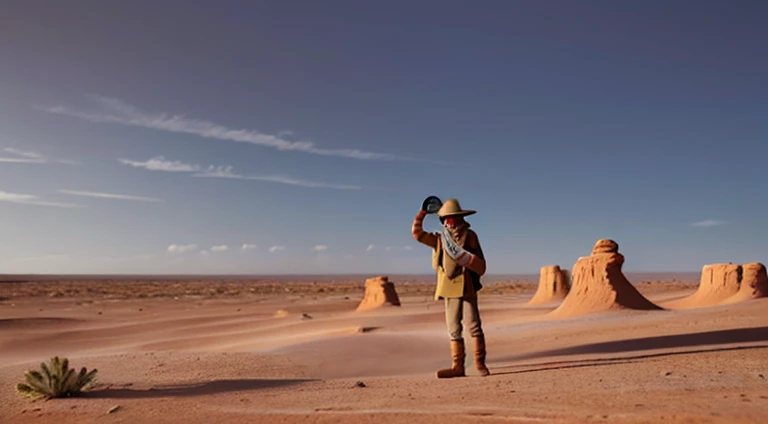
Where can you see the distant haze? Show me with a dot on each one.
(340, 278)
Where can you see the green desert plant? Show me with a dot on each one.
(56, 380)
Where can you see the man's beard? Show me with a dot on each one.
(459, 230)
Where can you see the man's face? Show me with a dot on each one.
(452, 221)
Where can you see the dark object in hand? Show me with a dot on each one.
(431, 204)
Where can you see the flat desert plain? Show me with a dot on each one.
(255, 350)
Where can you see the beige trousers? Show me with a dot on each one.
(454, 314)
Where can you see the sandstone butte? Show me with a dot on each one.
(553, 285)
(379, 292)
(718, 282)
(753, 285)
(598, 284)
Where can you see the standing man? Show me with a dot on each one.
(458, 259)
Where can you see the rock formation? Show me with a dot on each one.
(718, 283)
(754, 283)
(553, 285)
(598, 284)
(605, 246)
(378, 292)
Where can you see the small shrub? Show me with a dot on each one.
(56, 380)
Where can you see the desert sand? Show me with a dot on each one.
(172, 350)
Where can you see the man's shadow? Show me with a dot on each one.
(706, 342)
(201, 389)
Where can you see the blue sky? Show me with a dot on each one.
(301, 137)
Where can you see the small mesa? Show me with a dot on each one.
(718, 282)
(752, 285)
(379, 292)
(554, 284)
(726, 283)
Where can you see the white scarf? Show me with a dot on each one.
(453, 250)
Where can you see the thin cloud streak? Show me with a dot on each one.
(23, 157)
(116, 111)
(159, 163)
(30, 199)
(708, 223)
(20, 160)
(108, 195)
(30, 157)
(226, 172)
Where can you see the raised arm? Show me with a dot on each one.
(418, 231)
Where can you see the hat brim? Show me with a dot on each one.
(459, 213)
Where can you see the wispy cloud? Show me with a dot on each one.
(181, 248)
(370, 247)
(226, 172)
(219, 172)
(30, 199)
(19, 160)
(220, 248)
(708, 223)
(116, 111)
(23, 156)
(320, 248)
(249, 246)
(30, 155)
(274, 249)
(159, 163)
(108, 195)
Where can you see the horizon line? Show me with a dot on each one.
(430, 274)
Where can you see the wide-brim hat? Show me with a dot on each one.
(451, 207)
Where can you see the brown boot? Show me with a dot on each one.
(457, 370)
(480, 355)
